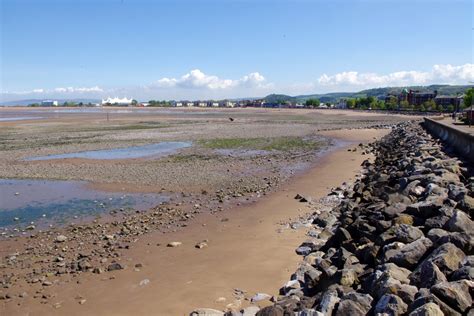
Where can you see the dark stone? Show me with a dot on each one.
(455, 294)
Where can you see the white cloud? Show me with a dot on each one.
(72, 89)
(196, 79)
(447, 74)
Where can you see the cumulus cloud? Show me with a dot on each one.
(196, 79)
(438, 74)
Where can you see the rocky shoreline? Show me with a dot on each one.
(399, 243)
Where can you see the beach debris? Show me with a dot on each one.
(174, 244)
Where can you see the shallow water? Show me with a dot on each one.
(156, 150)
(58, 202)
(19, 118)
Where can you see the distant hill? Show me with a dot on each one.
(375, 92)
(61, 101)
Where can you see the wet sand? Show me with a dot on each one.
(245, 251)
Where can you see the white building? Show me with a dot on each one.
(49, 103)
(179, 104)
(227, 104)
(117, 101)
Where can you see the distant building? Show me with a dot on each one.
(189, 104)
(446, 100)
(178, 104)
(202, 104)
(341, 104)
(49, 103)
(117, 101)
(416, 97)
(227, 104)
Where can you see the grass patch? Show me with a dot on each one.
(275, 143)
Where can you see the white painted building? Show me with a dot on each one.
(178, 104)
(117, 101)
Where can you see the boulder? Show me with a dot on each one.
(390, 304)
(410, 254)
(271, 311)
(206, 312)
(455, 294)
(429, 309)
(328, 302)
(407, 233)
(460, 222)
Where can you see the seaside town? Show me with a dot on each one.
(319, 162)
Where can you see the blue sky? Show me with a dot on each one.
(205, 49)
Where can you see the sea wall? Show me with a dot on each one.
(461, 141)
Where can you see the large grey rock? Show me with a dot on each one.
(407, 233)
(271, 311)
(430, 275)
(455, 294)
(447, 257)
(328, 302)
(429, 309)
(206, 312)
(390, 304)
(410, 254)
(460, 222)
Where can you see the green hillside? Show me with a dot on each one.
(376, 92)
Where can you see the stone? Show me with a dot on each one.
(271, 311)
(407, 233)
(429, 309)
(430, 275)
(403, 219)
(201, 245)
(456, 294)
(206, 312)
(60, 238)
(354, 304)
(174, 244)
(303, 250)
(114, 266)
(447, 257)
(260, 297)
(466, 273)
(328, 302)
(460, 222)
(250, 311)
(348, 277)
(410, 254)
(390, 304)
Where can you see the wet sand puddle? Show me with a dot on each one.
(44, 202)
(156, 150)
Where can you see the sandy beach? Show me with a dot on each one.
(246, 251)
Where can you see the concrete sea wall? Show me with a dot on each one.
(462, 141)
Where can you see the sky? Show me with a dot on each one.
(229, 48)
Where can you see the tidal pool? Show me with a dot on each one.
(19, 118)
(58, 202)
(156, 150)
